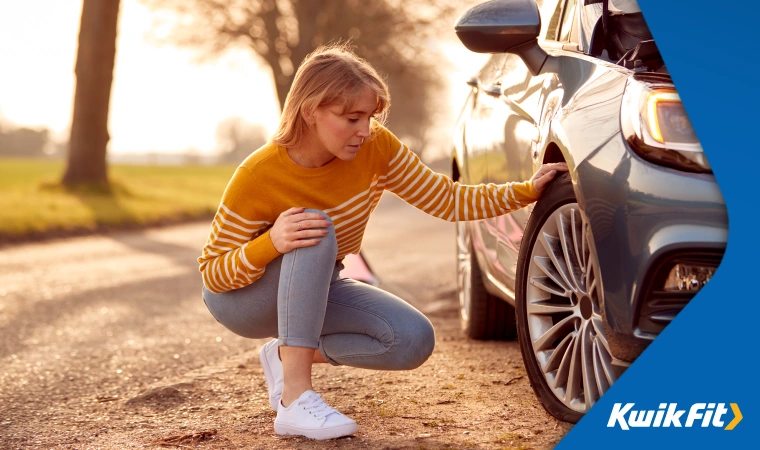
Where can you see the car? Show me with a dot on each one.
(591, 273)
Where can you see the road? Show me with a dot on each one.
(106, 343)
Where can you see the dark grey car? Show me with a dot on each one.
(595, 270)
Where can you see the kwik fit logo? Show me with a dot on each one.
(669, 415)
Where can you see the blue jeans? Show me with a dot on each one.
(302, 301)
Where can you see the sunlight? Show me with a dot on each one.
(161, 100)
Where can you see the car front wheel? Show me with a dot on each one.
(559, 301)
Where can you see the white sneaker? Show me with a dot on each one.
(310, 416)
(270, 362)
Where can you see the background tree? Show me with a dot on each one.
(94, 74)
(23, 141)
(394, 36)
(236, 138)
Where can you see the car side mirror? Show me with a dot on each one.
(505, 26)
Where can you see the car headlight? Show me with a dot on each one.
(655, 124)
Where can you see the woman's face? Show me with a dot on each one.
(340, 133)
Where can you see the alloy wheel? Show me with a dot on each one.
(564, 300)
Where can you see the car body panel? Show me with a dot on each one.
(515, 129)
(638, 211)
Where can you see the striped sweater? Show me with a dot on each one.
(268, 182)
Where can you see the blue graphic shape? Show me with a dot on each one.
(709, 352)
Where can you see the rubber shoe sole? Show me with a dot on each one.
(273, 402)
(318, 434)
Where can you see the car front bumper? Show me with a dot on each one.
(643, 218)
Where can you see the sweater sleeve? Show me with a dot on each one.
(238, 247)
(439, 196)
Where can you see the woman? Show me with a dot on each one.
(296, 207)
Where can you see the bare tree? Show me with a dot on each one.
(390, 34)
(94, 74)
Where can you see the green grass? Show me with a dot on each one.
(32, 201)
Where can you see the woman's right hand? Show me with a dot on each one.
(295, 229)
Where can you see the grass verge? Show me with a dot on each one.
(34, 205)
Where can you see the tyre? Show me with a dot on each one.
(559, 301)
(482, 315)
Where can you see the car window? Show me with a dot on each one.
(568, 17)
(590, 15)
(492, 69)
(550, 12)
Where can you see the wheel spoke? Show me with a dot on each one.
(545, 264)
(605, 361)
(553, 248)
(563, 371)
(591, 286)
(597, 367)
(578, 238)
(547, 284)
(574, 272)
(575, 375)
(554, 333)
(600, 370)
(599, 327)
(596, 321)
(557, 355)
(545, 308)
(585, 249)
(590, 392)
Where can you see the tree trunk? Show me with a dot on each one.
(94, 73)
(283, 87)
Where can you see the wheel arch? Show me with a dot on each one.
(455, 171)
(553, 154)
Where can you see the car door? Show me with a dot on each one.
(478, 131)
(516, 119)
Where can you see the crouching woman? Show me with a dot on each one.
(296, 207)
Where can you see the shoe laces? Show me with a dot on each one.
(317, 407)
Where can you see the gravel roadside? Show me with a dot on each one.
(105, 344)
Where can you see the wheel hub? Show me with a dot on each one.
(586, 307)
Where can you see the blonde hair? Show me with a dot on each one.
(330, 74)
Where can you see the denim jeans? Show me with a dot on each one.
(302, 300)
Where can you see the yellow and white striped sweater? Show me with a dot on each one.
(268, 182)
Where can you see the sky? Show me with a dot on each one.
(162, 99)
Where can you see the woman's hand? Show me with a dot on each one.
(295, 229)
(545, 174)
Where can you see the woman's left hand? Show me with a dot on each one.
(545, 174)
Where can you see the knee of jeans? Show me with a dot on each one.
(257, 326)
(418, 346)
(313, 210)
(329, 241)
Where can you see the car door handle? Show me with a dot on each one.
(493, 90)
(496, 90)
